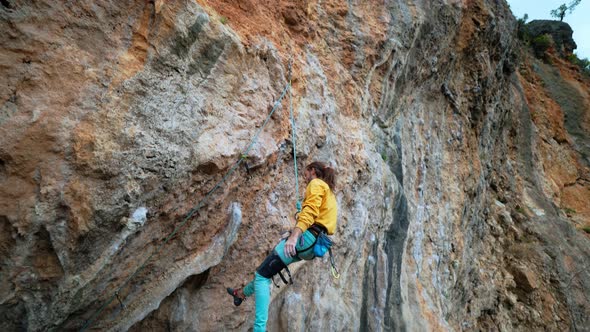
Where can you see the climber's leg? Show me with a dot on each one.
(262, 294)
(249, 288)
(304, 249)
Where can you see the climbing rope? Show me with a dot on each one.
(243, 156)
(333, 269)
(297, 200)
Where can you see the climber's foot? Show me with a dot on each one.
(237, 295)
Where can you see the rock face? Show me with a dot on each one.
(462, 184)
(561, 33)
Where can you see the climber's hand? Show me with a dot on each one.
(290, 246)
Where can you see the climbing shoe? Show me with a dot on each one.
(237, 299)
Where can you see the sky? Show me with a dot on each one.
(579, 19)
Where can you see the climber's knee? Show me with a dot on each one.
(271, 266)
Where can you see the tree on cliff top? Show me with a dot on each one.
(559, 12)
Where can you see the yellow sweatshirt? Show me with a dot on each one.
(319, 206)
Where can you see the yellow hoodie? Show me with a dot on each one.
(319, 206)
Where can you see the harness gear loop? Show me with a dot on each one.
(274, 282)
(289, 273)
(290, 282)
(283, 278)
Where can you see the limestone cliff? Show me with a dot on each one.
(463, 166)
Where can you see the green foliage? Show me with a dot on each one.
(522, 30)
(586, 229)
(540, 44)
(569, 211)
(383, 156)
(520, 210)
(583, 64)
(560, 11)
(223, 20)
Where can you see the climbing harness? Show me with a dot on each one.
(243, 157)
(321, 240)
(290, 282)
(273, 265)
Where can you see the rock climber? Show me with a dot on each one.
(318, 214)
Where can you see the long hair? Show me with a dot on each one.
(324, 172)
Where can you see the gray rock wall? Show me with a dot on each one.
(117, 120)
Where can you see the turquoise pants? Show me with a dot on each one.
(260, 286)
